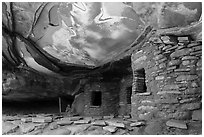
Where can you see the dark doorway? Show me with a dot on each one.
(129, 94)
(96, 98)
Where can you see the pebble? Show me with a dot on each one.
(176, 123)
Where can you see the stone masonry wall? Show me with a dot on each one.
(110, 99)
(173, 76)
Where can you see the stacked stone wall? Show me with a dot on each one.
(173, 76)
(110, 99)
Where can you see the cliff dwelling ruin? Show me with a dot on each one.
(96, 62)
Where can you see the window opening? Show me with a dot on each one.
(96, 98)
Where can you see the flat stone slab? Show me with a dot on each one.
(176, 123)
(111, 129)
(82, 121)
(8, 127)
(137, 124)
(57, 132)
(115, 124)
(77, 128)
(99, 123)
(27, 119)
(197, 115)
(42, 119)
(27, 127)
(75, 118)
(63, 122)
(10, 118)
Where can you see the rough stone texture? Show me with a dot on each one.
(197, 115)
(8, 127)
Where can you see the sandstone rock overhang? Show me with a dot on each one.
(64, 39)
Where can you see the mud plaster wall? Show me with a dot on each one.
(110, 99)
(173, 76)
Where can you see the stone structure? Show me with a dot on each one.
(170, 67)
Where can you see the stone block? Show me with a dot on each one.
(191, 91)
(42, 119)
(146, 108)
(137, 124)
(172, 48)
(174, 62)
(115, 124)
(197, 115)
(111, 129)
(99, 123)
(158, 57)
(169, 92)
(181, 115)
(180, 53)
(166, 47)
(191, 106)
(59, 131)
(108, 117)
(189, 58)
(182, 70)
(168, 101)
(186, 62)
(157, 53)
(194, 43)
(162, 60)
(82, 121)
(197, 53)
(27, 127)
(171, 68)
(155, 40)
(64, 121)
(171, 87)
(159, 78)
(177, 124)
(143, 94)
(162, 65)
(199, 63)
(187, 100)
(25, 120)
(186, 77)
(183, 39)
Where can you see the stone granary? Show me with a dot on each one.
(142, 60)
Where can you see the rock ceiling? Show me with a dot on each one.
(71, 38)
